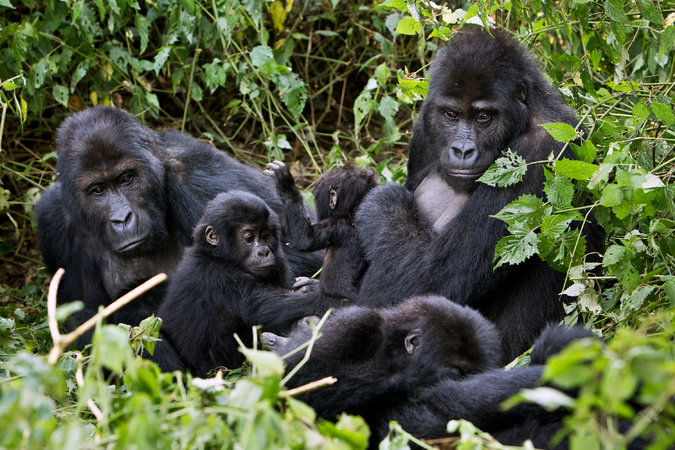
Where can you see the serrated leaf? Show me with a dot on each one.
(640, 113)
(363, 105)
(575, 290)
(648, 11)
(611, 196)
(408, 26)
(556, 224)
(576, 170)
(514, 249)
(667, 40)
(560, 191)
(507, 170)
(143, 30)
(585, 152)
(614, 10)
(160, 59)
(663, 112)
(263, 59)
(560, 131)
(528, 210)
(388, 107)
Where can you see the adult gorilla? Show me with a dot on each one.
(124, 205)
(436, 236)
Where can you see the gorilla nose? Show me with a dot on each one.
(463, 153)
(122, 220)
(263, 252)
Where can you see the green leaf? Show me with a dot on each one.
(528, 210)
(576, 170)
(60, 93)
(408, 26)
(561, 132)
(267, 363)
(559, 191)
(143, 30)
(388, 107)
(556, 224)
(507, 170)
(160, 59)
(263, 59)
(111, 348)
(648, 11)
(515, 249)
(663, 112)
(613, 255)
(614, 10)
(611, 196)
(363, 105)
(585, 152)
(667, 40)
(6, 4)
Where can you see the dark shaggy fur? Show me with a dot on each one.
(124, 205)
(436, 235)
(337, 194)
(232, 278)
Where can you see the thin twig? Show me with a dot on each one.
(63, 341)
(307, 387)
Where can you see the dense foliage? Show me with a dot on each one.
(315, 83)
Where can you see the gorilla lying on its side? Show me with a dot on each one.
(232, 278)
(422, 363)
(436, 235)
(124, 205)
(337, 194)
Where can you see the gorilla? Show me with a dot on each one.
(437, 235)
(337, 194)
(422, 363)
(230, 279)
(124, 205)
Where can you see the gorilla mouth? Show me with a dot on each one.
(466, 173)
(131, 245)
(261, 270)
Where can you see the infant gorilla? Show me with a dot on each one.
(337, 194)
(421, 363)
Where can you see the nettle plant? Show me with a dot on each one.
(631, 205)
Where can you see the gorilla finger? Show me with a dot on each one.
(271, 341)
(301, 282)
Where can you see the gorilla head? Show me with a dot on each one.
(240, 229)
(339, 191)
(483, 94)
(112, 180)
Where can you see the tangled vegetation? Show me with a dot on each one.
(315, 83)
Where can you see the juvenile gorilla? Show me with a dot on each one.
(124, 205)
(232, 278)
(422, 363)
(436, 235)
(337, 194)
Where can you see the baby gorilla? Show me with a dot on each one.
(379, 356)
(231, 279)
(337, 194)
(422, 363)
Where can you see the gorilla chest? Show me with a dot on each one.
(438, 202)
(122, 274)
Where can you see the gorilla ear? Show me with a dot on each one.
(211, 236)
(332, 202)
(412, 340)
(522, 92)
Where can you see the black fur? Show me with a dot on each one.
(124, 205)
(436, 236)
(337, 194)
(225, 284)
(451, 373)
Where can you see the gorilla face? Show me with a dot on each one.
(115, 183)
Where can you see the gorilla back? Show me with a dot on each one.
(124, 205)
(437, 236)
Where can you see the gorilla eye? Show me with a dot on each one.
(451, 114)
(126, 179)
(484, 116)
(249, 238)
(266, 235)
(97, 190)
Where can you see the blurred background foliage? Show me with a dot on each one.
(316, 83)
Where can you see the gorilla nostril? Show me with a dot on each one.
(269, 339)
